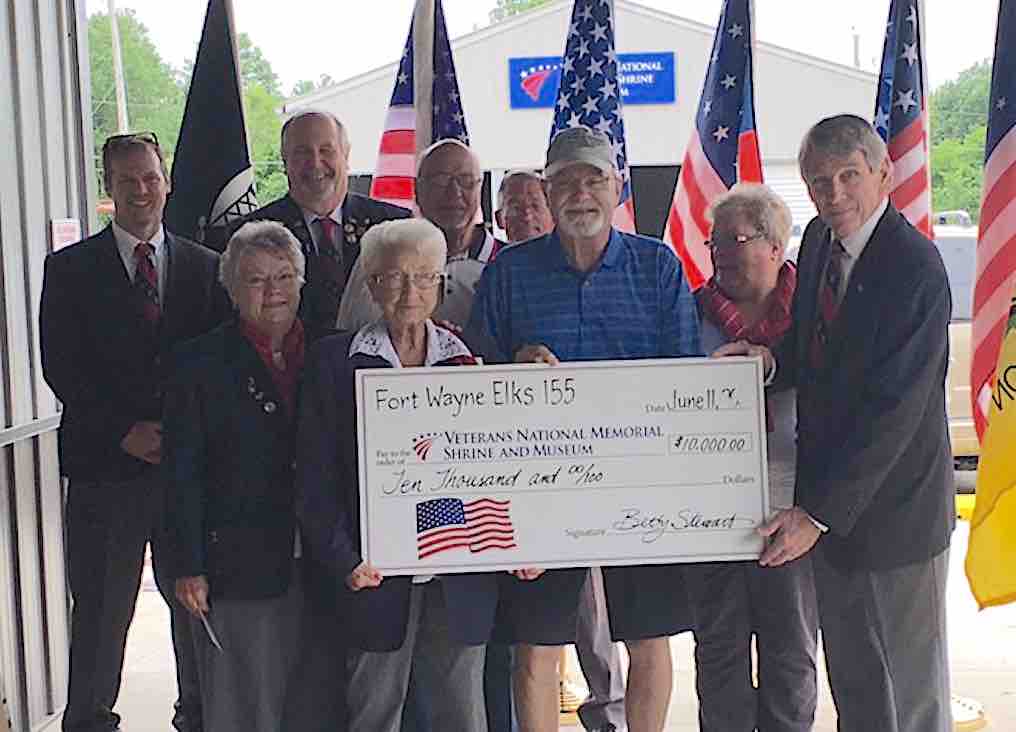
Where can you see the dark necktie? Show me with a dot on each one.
(330, 264)
(146, 282)
(829, 297)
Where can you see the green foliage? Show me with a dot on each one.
(961, 105)
(959, 118)
(154, 96)
(264, 128)
(254, 67)
(508, 8)
(156, 93)
(956, 172)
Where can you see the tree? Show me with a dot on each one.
(959, 106)
(264, 128)
(508, 8)
(957, 172)
(306, 86)
(959, 118)
(154, 95)
(254, 67)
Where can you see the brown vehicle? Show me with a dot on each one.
(958, 245)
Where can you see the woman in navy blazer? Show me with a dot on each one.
(435, 627)
(230, 430)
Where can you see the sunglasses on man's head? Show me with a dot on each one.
(131, 138)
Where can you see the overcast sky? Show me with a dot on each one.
(304, 39)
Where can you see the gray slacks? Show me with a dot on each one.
(449, 675)
(599, 658)
(244, 686)
(731, 602)
(884, 633)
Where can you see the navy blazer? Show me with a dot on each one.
(328, 508)
(874, 462)
(359, 213)
(229, 451)
(99, 355)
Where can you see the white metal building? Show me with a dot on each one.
(792, 91)
(44, 197)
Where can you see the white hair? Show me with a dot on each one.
(389, 239)
(759, 205)
(265, 236)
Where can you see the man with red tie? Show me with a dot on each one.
(113, 306)
(322, 213)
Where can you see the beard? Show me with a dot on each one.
(582, 225)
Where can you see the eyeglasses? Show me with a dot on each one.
(464, 181)
(283, 281)
(730, 242)
(395, 281)
(131, 138)
(571, 183)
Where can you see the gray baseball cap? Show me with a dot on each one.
(580, 145)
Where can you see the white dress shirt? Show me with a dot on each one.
(126, 242)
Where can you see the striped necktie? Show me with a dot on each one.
(829, 298)
(330, 264)
(146, 282)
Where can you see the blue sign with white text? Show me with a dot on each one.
(645, 78)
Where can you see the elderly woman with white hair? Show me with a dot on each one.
(749, 298)
(230, 437)
(432, 627)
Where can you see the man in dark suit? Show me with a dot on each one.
(322, 213)
(112, 307)
(868, 353)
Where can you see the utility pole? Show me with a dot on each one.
(121, 94)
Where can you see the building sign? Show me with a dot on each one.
(645, 78)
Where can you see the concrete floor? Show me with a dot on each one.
(982, 647)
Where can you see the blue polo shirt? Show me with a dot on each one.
(634, 304)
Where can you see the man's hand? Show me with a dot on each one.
(144, 441)
(744, 348)
(192, 592)
(791, 534)
(527, 574)
(536, 354)
(363, 576)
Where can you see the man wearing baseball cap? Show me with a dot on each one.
(587, 292)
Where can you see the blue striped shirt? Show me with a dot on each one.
(634, 304)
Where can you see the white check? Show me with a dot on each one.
(484, 468)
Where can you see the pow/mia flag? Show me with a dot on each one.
(213, 181)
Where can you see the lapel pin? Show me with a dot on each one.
(269, 407)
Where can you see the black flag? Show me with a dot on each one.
(213, 181)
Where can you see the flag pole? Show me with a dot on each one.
(121, 92)
(423, 85)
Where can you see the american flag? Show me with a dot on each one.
(425, 106)
(901, 115)
(724, 146)
(449, 523)
(589, 94)
(996, 239)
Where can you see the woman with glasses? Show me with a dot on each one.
(230, 426)
(749, 298)
(432, 627)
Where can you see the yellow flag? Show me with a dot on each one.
(991, 553)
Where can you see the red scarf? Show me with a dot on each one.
(286, 379)
(767, 331)
(721, 311)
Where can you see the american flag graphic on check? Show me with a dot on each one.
(450, 523)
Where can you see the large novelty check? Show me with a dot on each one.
(601, 463)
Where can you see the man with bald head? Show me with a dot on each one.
(321, 212)
(448, 182)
